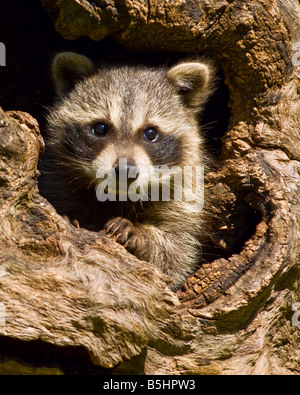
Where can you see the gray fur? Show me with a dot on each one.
(129, 100)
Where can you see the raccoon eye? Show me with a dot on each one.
(151, 135)
(99, 129)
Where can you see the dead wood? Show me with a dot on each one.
(71, 287)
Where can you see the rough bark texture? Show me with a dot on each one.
(71, 287)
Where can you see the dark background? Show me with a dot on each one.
(31, 42)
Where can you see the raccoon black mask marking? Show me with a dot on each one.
(145, 116)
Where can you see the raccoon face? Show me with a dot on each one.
(126, 118)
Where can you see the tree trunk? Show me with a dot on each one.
(71, 288)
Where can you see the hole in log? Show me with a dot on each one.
(215, 117)
(27, 87)
(38, 357)
(230, 228)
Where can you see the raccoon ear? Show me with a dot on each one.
(191, 80)
(68, 68)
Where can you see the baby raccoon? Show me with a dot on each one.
(128, 119)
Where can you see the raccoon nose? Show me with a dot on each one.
(126, 168)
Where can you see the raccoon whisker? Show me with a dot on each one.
(41, 105)
(78, 185)
(93, 183)
(84, 130)
(208, 125)
(70, 153)
(135, 210)
(168, 164)
(69, 161)
(71, 180)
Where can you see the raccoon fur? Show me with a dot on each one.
(148, 116)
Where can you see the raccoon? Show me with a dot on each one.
(148, 117)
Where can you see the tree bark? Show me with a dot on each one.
(236, 315)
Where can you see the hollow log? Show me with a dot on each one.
(71, 289)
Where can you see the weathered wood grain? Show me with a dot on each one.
(72, 287)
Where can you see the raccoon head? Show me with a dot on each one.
(146, 116)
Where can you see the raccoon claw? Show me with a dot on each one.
(117, 226)
(123, 231)
(74, 222)
(112, 229)
(131, 243)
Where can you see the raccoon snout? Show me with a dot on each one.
(126, 168)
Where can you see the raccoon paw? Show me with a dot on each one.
(123, 231)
